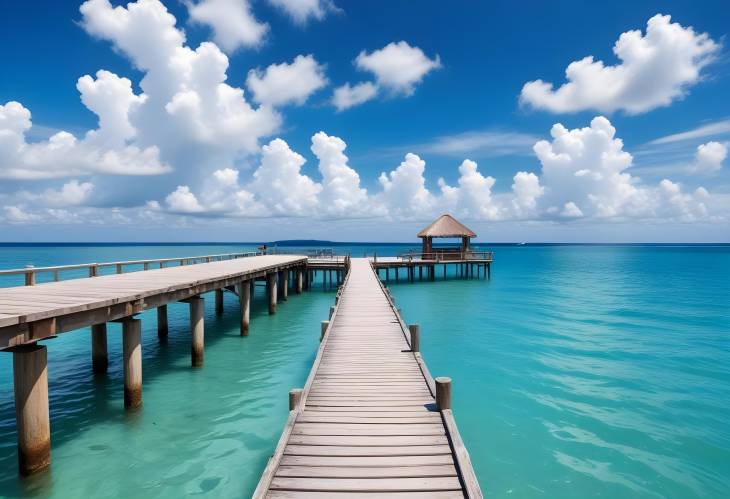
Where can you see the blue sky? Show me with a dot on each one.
(464, 100)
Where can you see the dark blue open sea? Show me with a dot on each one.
(579, 371)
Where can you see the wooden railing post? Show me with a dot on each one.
(295, 397)
(29, 276)
(415, 330)
(443, 393)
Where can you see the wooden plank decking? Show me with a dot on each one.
(367, 422)
(29, 313)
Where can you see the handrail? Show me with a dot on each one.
(445, 255)
(31, 271)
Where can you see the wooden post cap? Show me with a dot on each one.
(443, 393)
(295, 396)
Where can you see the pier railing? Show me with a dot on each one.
(30, 272)
(442, 256)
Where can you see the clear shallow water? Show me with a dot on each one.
(578, 372)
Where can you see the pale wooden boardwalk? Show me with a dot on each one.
(367, 424)
(29, 313)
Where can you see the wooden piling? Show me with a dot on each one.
(32, 420)
(99, 355)
(271, 290)
(284, 285)
(197, 330)
(244, 300)
(415, 331)
(219, 301)
(162, 328)
(323, 329)
(299, 281)
(295, 396)
(132, 350)
(443, 393)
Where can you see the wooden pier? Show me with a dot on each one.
(370, 420)
(41, 311)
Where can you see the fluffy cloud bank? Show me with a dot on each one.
(655, 69)
(397, 69)
(584, 174)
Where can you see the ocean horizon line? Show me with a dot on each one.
(315, 243)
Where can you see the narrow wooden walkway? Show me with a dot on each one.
(367, 423)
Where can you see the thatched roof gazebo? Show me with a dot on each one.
(446, 226)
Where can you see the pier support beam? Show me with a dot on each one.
(300, 279)
(271, 290)
(323, 329)
(443, 393)
(32, 420)
(162, 328)
(99, 356)
(132, 349)
(284, 285)
(244, 298)
(219, 301)
(197, 330)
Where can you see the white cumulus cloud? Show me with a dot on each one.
(397, 69)
(182, 200)
(286, 83)
(302, 11)
(232, 22)
(346, 96)
(709, 157)
(656, 68)
(398, 66)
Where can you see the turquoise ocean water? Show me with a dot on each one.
(579, 371)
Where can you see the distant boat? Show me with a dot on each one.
(521, 244)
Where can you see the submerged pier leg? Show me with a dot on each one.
(219, 301)
(244, 298)
(271, 289)
(162, 328)
(489, 271)
(197, 330)
(99, 356)
(32, 420)
(132, 350)
(284, 285)
(300, 279)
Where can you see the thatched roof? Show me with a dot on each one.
(447, 226)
